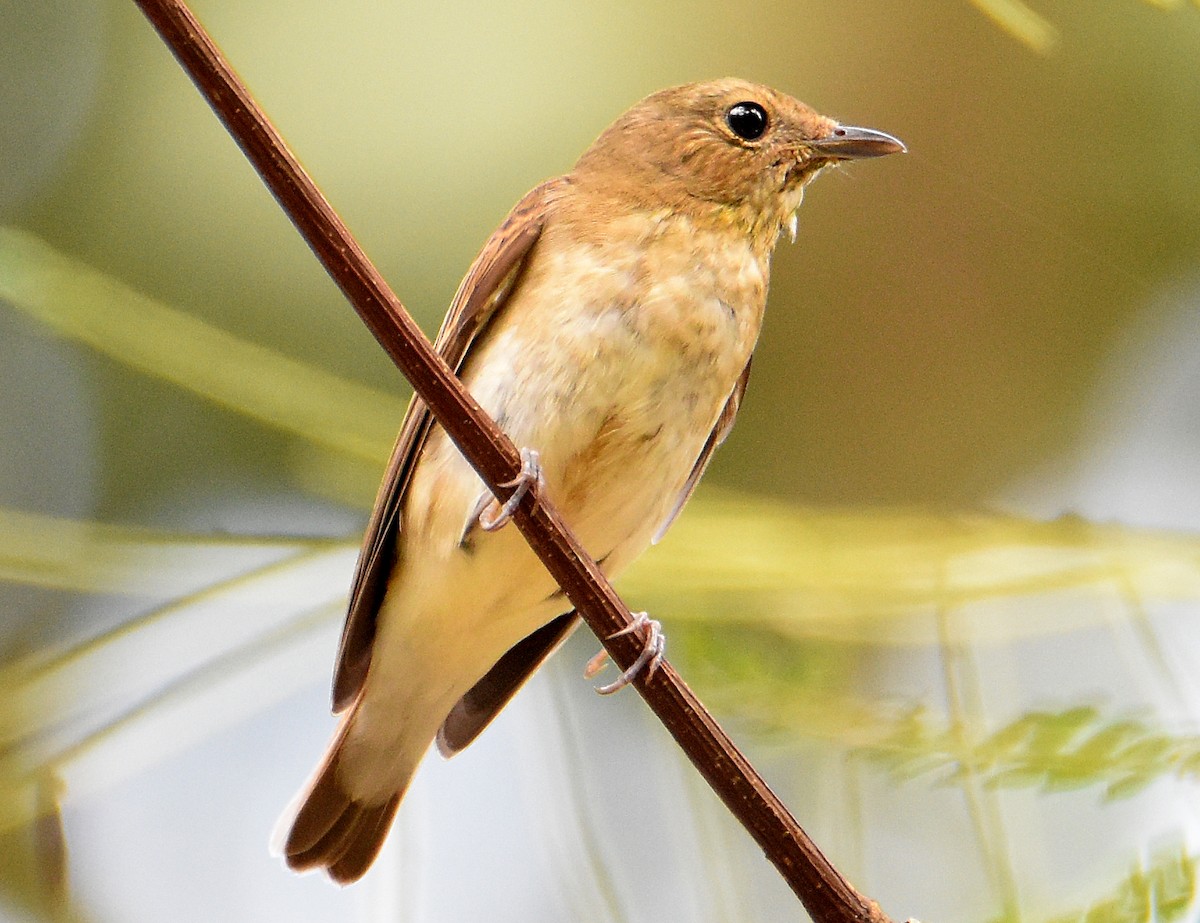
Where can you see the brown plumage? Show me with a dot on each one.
(607, 323)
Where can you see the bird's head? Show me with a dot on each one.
(729, 148)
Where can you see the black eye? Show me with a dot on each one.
(747, 120)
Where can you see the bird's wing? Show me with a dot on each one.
(480, 298)
(483, 701)
(718, 435)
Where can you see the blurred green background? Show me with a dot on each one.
(933, 333)
(961, 328)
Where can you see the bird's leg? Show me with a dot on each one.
(654, 646)
(530, 474)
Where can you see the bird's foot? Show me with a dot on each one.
(530, 474)
(654, 646)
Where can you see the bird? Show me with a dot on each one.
(607, 325)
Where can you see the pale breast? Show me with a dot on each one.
(614, 360)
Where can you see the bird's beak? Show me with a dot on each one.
(848, 143)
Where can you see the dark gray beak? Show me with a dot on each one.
(849, 143)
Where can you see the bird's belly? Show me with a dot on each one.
(618, 418)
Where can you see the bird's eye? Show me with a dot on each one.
(747, 120)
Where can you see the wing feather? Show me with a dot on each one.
(718, 435)
(482, 295)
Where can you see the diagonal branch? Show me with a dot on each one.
(827, 896)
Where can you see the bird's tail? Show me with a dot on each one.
(327, 828)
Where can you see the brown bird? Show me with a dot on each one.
(607, 326)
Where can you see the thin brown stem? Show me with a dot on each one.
(828, 897)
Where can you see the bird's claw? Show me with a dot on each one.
(654, 646)
(530, 474)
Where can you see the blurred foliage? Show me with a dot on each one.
(789, 691)
(33, 853)
(1030, 28)
(780, 676)
(153, 339)
(1162, 891)
(1021, 22)
(1051, 750)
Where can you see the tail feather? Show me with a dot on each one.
(363, 841)
(333, 831)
